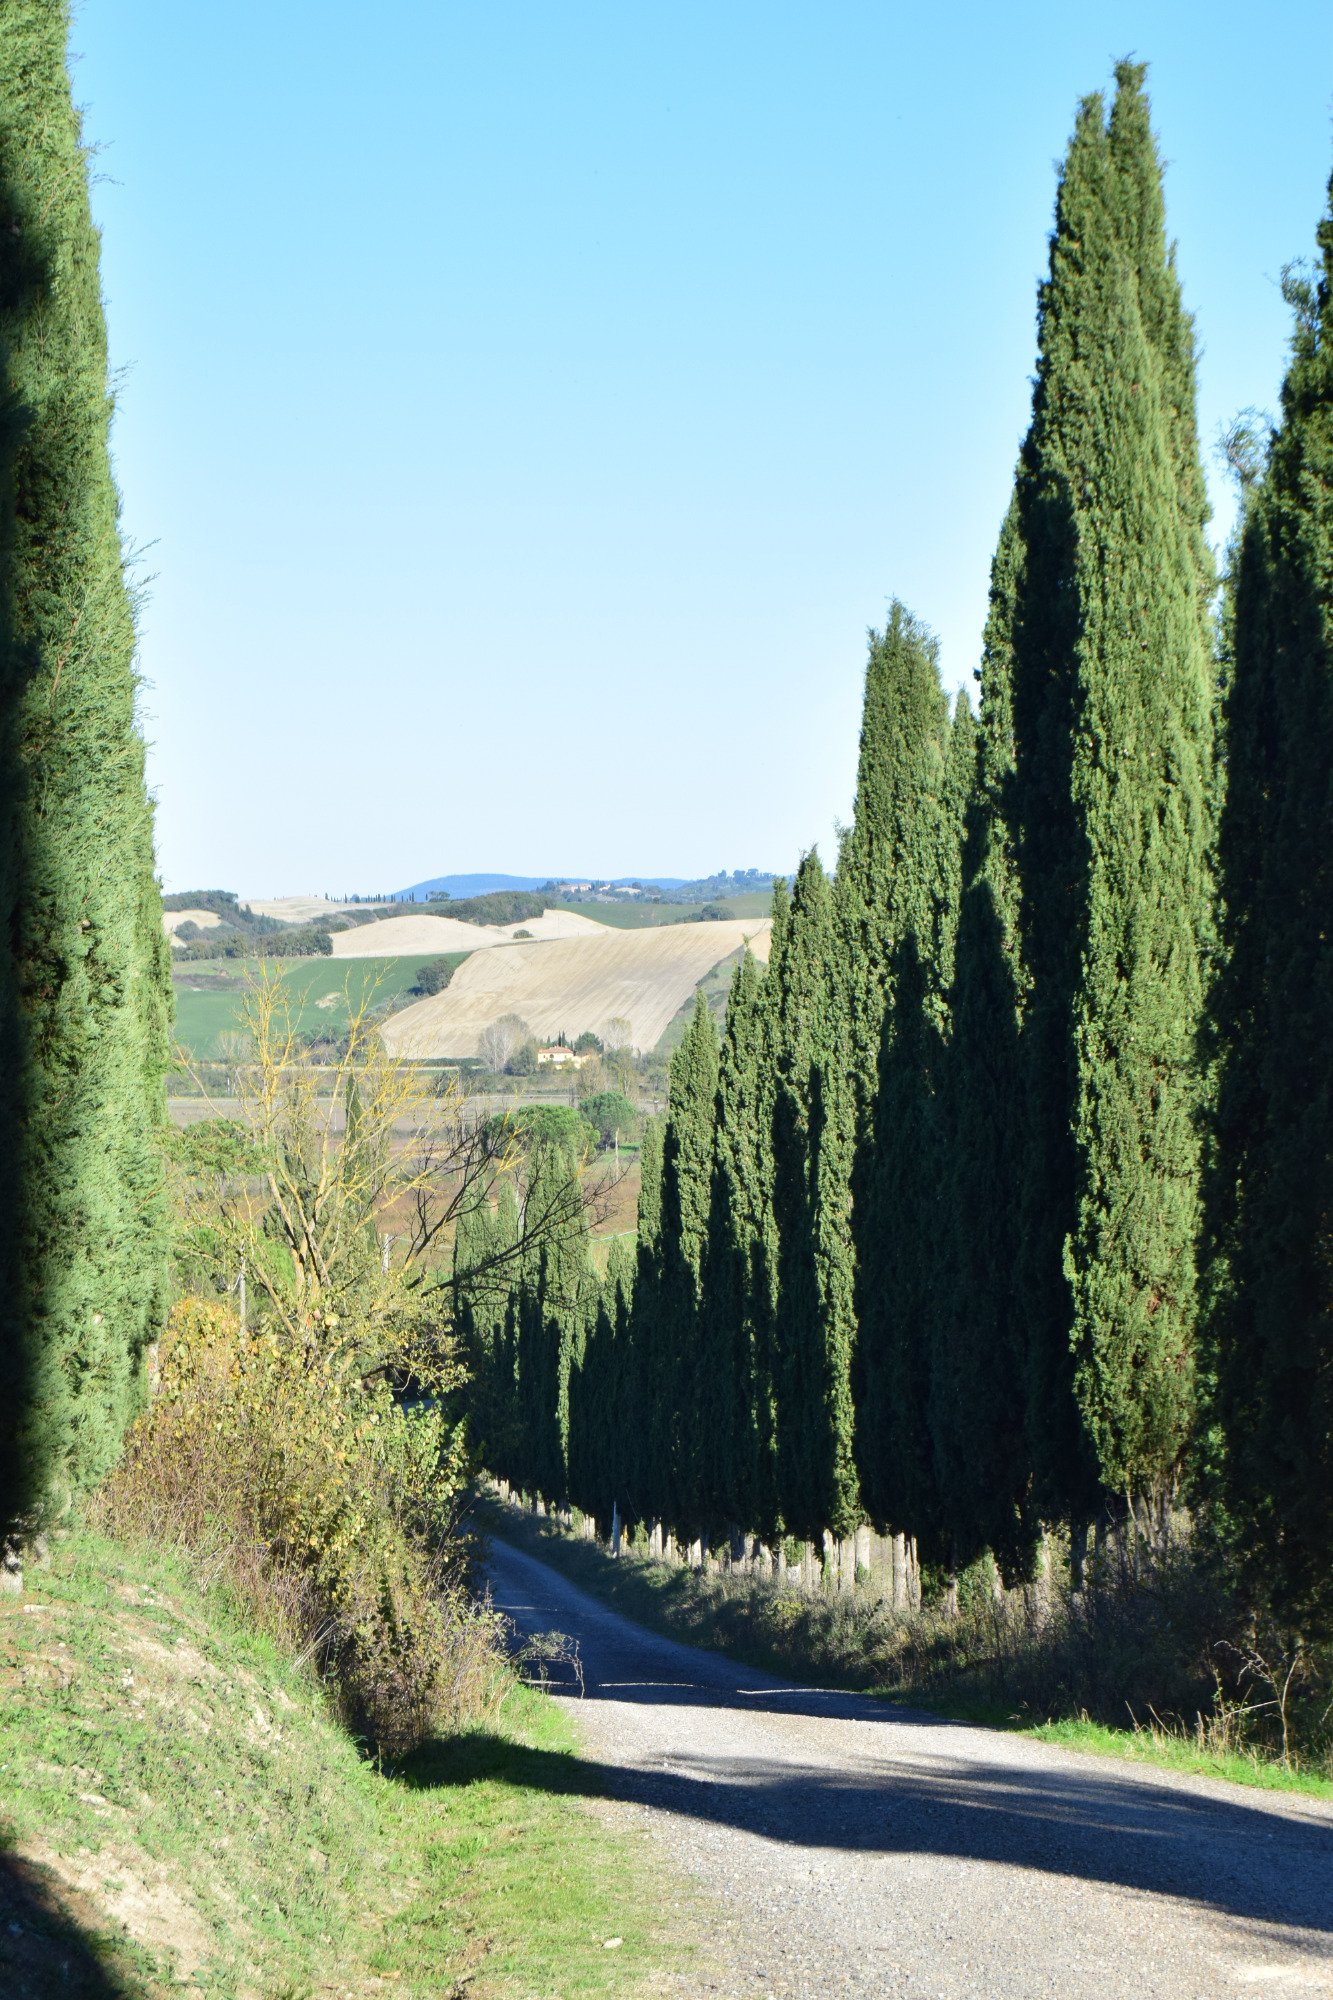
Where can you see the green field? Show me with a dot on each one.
(209, 1003)
(642, 916)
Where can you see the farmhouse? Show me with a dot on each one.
(557, 1056)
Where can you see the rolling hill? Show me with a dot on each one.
(391, 935)
(567, 985)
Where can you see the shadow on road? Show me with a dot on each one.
(900, 1786)
(1094, 1826)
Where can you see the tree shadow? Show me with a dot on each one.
(1092, 1825)
(43, 1951)
(912, 1783)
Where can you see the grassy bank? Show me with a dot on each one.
(1029, 1683)
(180, 1808)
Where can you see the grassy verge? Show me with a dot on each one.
(180, 1809)
(823, 1638)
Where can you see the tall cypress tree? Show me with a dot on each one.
(897, 908)
(816, 1476)
(1270, 1185)
(645, 1467)
(1099, 627)
(977, 1400)
(84, 986)
(685, 1372)
(553, 1310)
(739, 1273)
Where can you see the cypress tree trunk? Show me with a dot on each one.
(1099, 647)
(1270, 1186)
(84, 986)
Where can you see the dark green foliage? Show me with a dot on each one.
(558, 1124)
(735, 1454)
(1270, 1207)
(434, 975)
(553, 1314)
(501, 906)
(485, 1272)
(611, 1115)
(977, 1406)
(283, 941)
(599, 1410)
(816, 1478)
(1098, 633)
(84, 987)
(897, 906)
(682, 1367)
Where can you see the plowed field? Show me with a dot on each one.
(414, 935)
(572, 984)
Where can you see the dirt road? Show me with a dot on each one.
(851, 1848)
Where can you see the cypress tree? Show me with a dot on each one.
(84, 985)
(1098, 626)
(645, 1471)
(1270, 1185)
(484, 1280)
(684, 1377)
(815, 1472)
(897, 906)
(552, 1316)
(736, 1428)
(977, 1401)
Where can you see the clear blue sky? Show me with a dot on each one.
(530, 405)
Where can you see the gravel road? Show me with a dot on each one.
(846, 1847)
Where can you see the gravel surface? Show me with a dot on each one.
(847, 1847)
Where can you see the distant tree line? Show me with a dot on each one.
(1005, 1200)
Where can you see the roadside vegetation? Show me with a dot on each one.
(181, 1808)
(1130, 1666)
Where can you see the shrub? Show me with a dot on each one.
(611, 1116)
(329, 1507)
(434, 976)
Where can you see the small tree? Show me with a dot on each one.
(498, 1042)
(434, 976)
(619, 1033)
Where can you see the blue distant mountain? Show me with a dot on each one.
(459, 886)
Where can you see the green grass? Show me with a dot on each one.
(161, 1765)
(642, 916)
(715, 987)
(1175, 1753)
(825, 1638)
(209, 998)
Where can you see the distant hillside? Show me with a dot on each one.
(678, 888)
(567, 985)
(484, 885)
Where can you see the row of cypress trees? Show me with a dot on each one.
(1005, 1199)
(84, 982)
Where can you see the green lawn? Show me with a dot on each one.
(179, 1807)
(210, 998)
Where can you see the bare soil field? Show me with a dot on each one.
(172, 920)
(572, 984)
(392, 937)
(302, 909)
